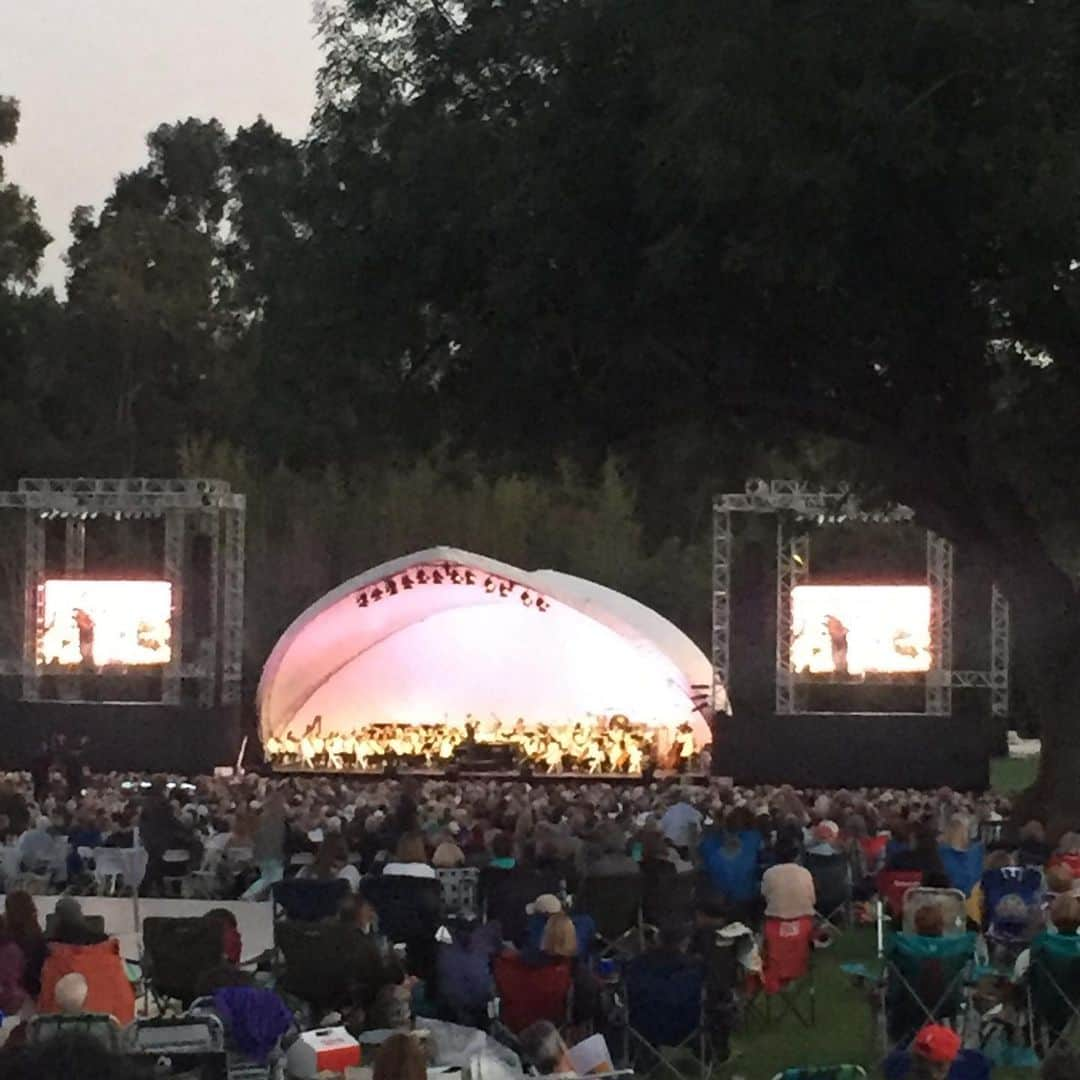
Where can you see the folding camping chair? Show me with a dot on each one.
(308, 901)
(410, 912)
(98, 1026)
(950, 901)
(666, 895)
(1012, 913)
(505, 894)
(832, 886)
(1053, 988)
(527, 994)
(787, 969)
(177, 954)
(891, 887)
(665, 1011)
(330, 965)
(614, 902)
(925, 981)
(193, 1045)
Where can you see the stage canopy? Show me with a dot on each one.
(443, 635)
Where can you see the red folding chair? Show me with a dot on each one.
(786, 966)
(892, 885)
(528, 993)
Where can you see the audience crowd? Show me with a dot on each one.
(747, 857)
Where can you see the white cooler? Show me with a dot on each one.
(332, 1049)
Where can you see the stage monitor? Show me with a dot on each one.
(857, 630)
(99, 624)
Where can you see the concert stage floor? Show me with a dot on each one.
(504, 775)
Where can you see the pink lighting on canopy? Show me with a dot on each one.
(437, 653)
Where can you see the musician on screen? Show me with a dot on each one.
(84, 622)
(838, 639)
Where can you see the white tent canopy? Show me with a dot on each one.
(485, 640)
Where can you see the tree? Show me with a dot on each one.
(851, 221)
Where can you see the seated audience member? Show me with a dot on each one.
(401, 1057)
(962, 858)
(13, 993)
(825, 839)
(25, 930)
(231, 942)
(681, 824)
(70, 926)
(669, 953)
(1068, 853)
(1064, 919)
(410, 858)
(332, 861)
(730, 860)
(543, 1048)
(609, 858)
(66, 1057)
(71, 992)
(502, 852)
(787, 887)
(559, 945)
(924, 856)
(930, 1057)
(1033, 849)
(930, 921)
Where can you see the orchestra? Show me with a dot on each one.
(600, 746)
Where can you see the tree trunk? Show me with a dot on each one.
(1045, 640)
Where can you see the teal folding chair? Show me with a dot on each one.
(1053, 988)
(823, 1072)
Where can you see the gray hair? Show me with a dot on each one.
(542, 1046)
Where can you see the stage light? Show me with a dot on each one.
(506, 588)
(490, 585)
(421, 577)
(526, 599)
(43, 515)
(797, 559)
(406, 582)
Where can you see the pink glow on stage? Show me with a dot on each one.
(102, 623)
(860, 629)
(500, 660)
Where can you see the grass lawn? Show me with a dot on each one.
(845, 1031)
(1009, 775)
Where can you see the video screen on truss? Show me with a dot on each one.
(860, 629)
(97, 624)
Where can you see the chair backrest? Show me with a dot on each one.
(614, 902)
(530, 993)
(109, 990)
(893, 884)
(664, 1000)
(832, 879)
(300, 900)
(97, 1025)
(179, 952)
(408, 907)
(507, 892)
(96, 923)
(788, 944)
(951, 902)
(931, 968)
(203, 1034)
(460, 888)
(964, 867)
(128, 863)
(328, 964)
(1011, 899)
(823, 1072)
(1054, 978)
(873, 850)
(665, 893)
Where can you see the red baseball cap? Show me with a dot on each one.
(937, 1043)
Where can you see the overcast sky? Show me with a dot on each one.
(95, 76)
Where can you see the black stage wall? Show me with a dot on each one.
(137, 737)
(838, 750)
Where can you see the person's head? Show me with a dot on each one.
(560, 937)
(331, 858)
(958, 833)
(448, 856)
(925, 838)
(826, 832)
(1033, 832)
(69, 911)
(1059, 878)
(410, 848)
(70, 993)
(21, 914)
(787, 849)
(543, 1048)
(654, 845)
(1065, 914)
(711, 911)
(401, 1057)
(929, 921)
(502, 846)
(932, 1053)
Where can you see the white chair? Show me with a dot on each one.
(113, 865)
(460, 888)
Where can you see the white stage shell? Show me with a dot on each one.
(438, 653)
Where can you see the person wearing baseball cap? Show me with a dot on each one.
(936, 1053)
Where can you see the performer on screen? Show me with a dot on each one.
(838, 635)
(85, 624)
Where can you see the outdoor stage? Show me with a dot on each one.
(502, 775)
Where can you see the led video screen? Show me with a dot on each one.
(860, 629)
(97, 624)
